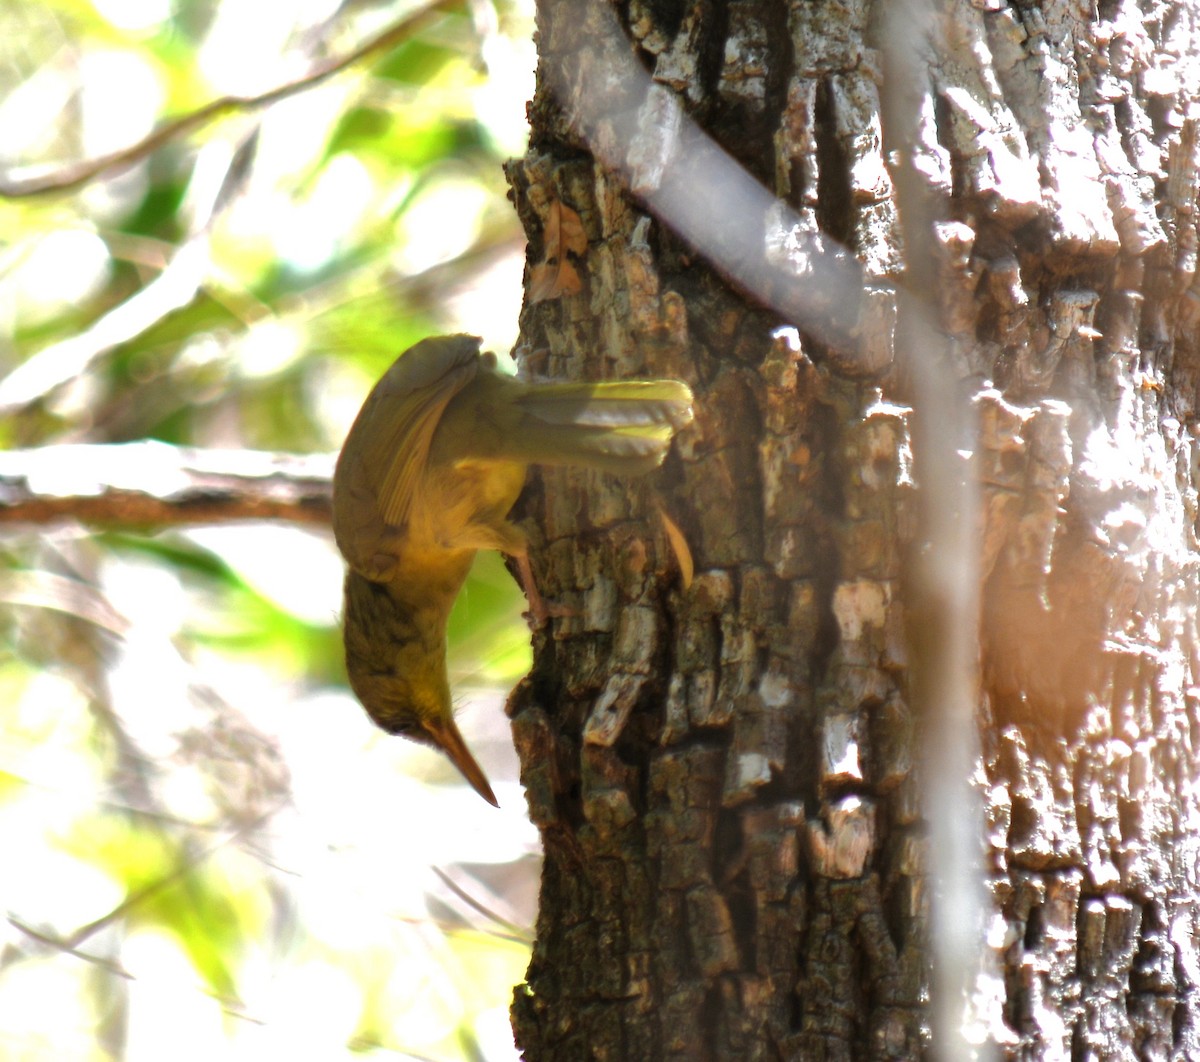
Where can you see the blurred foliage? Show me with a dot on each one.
(212, 854)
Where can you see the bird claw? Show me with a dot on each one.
(540, 611)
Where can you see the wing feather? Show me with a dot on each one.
(412, 416)
(385, 456)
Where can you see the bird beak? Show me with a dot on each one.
(447, 738)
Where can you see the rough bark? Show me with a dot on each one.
(725, 775)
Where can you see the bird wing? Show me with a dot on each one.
(419, 410)
(411, 398)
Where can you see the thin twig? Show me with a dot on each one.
(173, 289)
(73, 176)
(72, 597)
(49, 941)
(519, 933)
(150, 484)
(70, 943)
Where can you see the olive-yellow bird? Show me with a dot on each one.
(428, 473)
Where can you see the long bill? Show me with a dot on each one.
(448, 738)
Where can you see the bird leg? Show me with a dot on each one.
(540, 610)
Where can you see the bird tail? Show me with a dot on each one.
(621, 426)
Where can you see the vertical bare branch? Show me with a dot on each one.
(944, 568)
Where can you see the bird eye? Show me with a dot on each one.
(402, 727)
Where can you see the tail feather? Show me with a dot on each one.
(611, 404)
(618, 426)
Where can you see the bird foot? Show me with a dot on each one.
(540, 615)
(540, 610)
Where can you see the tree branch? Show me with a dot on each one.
(943, 570)
(80, 173)
(151, 484)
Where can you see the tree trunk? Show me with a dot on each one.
(726, 775)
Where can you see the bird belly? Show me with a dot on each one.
(467, 505)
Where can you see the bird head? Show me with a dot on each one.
(396, 664)
(396, 707)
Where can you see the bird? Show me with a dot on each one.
(429, 471)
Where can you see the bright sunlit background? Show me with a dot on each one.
(209, 853)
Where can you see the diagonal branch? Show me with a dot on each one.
(174, 288)
(70, 177)
(71, 942)
(150, 484)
